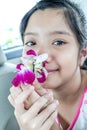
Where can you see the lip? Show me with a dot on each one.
(51, 71)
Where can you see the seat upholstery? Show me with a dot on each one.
(7, 119)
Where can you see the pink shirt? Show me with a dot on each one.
(80, 120)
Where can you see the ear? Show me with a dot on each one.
(83, 55)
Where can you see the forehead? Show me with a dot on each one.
(48, 20)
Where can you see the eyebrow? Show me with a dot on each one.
(30, 33)
(61, 32)
(51, 33)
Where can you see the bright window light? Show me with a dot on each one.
(11, 12)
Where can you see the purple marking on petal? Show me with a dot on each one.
(44, 63)
(28, 77)
(16, 80)
(42, 78)
(31, 52)
(19, 66)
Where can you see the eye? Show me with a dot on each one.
(59, 43)
(30, 43)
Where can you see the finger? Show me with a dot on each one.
(30, 100)
(34, 109)
(19, 101)
(34, 97)
(15, 91)
(50, 121)
(39, 89)
(18, 118)
(23, 87)
(49, 101)
(45, 114)
(11, 100)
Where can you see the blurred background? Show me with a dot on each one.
(11, 12)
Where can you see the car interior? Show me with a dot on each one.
(10, 56)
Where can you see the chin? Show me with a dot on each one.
(51, 82)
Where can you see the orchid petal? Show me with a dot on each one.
(19, 66)
(31, 52)
(28, 77)
(17, 80)
(31, 62)
(42, 78)
(45, 71)
(41, 57)
(43, 64)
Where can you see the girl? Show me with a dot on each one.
(55, 27)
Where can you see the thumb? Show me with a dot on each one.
(39, 89)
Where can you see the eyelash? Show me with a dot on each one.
(60, 43)
(30, 42)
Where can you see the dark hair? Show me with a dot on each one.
(72, 12)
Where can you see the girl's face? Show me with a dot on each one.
(48, 32)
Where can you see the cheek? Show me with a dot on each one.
(68, 59)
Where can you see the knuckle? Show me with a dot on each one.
(52, 107)
(42, 101)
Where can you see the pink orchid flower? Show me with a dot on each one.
(33, 66)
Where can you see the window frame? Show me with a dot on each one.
(13, 53)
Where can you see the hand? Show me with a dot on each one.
(39, 91)
(40, 106)
(35, 118)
